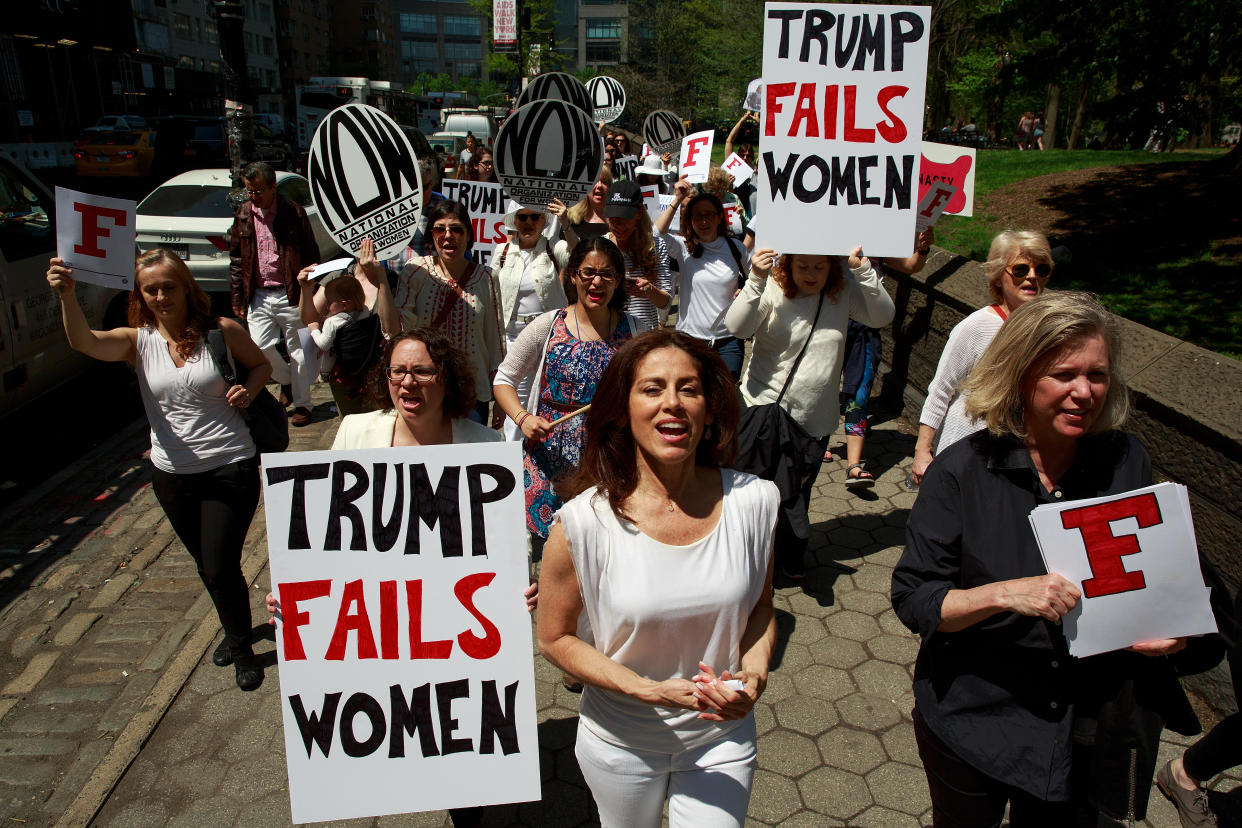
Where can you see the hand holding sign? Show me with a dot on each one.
(738, 168)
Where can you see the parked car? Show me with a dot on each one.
(449, 148)
(35, 357)
(115, 154)
(191, 215)
(118, 123)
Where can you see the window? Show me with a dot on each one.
(181, 24)
(28, 227)
(209, 27)
(603, 52)
(269, 48)
(418, 23)
(413, 49)
(468, 70)
(457, 51)
(470, 26)
(603, 28)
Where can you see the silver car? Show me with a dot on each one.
(191, 215)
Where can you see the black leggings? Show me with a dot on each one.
(1221, 748)
(210, 512)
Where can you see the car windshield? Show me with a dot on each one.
(441, 144)
(188, 201)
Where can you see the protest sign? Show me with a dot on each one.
(485, 202)
(625, 167)
(406, 677)
(1134, 557)
(332, 266)
(695, 161)
(737, 168)
(663, 132)
(607, 98)
(95, 236)
(504, 22)
(843, 89)
(932, 204)
(548, 149)
(651, 200)
(364, 180)
(956, 165)
(556, 86)
(753, 101)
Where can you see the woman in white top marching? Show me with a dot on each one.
(669, 554)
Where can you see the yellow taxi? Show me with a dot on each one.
(115, 154)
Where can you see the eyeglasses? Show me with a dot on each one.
(254, 193)
(528, 216)
(397, 373)
(588, 274)
(1020, 270)
(454, 229)
(486, 163)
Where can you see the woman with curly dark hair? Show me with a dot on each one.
(669, 553)
(205, 472)
(480, 167)
(807, 304)
(423, 388)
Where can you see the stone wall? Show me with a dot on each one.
(1187, 402)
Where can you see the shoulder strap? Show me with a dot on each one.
(220, 354)
(798, 361)
(737, 260)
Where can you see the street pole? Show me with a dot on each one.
(238, 102)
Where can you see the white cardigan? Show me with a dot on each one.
(781, 325)
(374, 430)
(545, 268)
(945, 407)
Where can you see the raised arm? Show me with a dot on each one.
(728, 147)
(681, 193)
(870, 303)
(116, 345)
(749, 310)
(385, 304)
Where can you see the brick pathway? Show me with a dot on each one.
(106, 674)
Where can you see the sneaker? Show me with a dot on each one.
(223, 656)
(301, 417)
(1192, 806)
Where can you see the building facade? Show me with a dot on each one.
(441, 38)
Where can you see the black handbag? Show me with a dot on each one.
(771, 445)
(266, 417)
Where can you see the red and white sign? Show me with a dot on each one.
(504, 22)
(1135, 559)
(738, 168)
(406, 677)
(953, 165)
(95, 236)
(933, 203)
(841, 126)
(695, 161)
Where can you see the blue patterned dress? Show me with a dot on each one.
(571, 370)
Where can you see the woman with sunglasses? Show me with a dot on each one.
(713, 266)
(527, 272)
(447, 293)
(563, 353)
(480, 167)
(1018, 266)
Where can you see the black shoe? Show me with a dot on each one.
(223, 656)
(249, 673)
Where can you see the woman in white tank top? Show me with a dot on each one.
(205, 473)
(670, 557)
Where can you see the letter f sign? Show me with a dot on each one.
(1104, 549)
(692, 148)
(92, 232)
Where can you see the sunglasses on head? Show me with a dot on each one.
(1020, 270)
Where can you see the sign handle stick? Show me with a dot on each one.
(570, 415)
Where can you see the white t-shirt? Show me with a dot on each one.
(661, 609)
(706, 286)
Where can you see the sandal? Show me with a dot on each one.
(864, 480)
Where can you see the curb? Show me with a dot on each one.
(129, 742)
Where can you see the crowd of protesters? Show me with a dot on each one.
(631, 433)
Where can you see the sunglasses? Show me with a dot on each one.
(528, 216)
(397, 374)
(454, 229)
(588, 274)
(1020, 271)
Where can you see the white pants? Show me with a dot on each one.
(706, 786)
(271, 318)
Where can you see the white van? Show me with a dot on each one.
(482, 126)
(35, 357)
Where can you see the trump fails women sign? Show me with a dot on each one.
(406, 676)
(841, 126)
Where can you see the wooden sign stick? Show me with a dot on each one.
(560, 420)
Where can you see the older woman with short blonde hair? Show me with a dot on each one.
(1018, 267)
(1003, 714)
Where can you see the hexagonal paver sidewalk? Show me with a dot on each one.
(836, 743)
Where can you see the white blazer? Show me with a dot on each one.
(545, 270)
